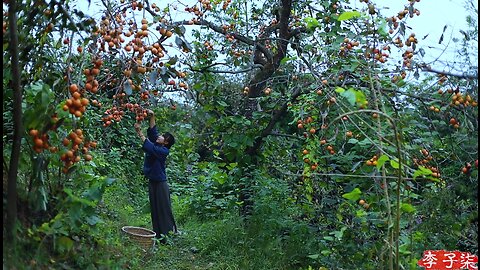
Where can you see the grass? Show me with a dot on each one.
(222, 243)
(225, 243)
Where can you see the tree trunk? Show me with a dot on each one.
(271, 62)
(17, 126)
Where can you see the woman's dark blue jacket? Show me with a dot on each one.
(155, 156)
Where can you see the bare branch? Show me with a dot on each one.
(427, 68)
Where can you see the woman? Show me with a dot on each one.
(156, 148)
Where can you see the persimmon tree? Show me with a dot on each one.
(68, 62)
(341, 92)
(351, 99)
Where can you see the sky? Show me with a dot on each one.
(434, 16)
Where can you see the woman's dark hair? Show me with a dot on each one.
(169, 139)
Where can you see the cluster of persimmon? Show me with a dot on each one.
(239, 53)
(434, 108)
(302, 122)
(155, 7)
(424, 161)
(228, 27)
(109, 36)
(208, 45)
(267, 91)
(372, 161)
(435, 171)
(40, 141)
(96, 103)
(467, 169)
(138, 33)
(135, 5)
(144, 95)
(138, 47)
(119, 96)
(441, 78)
(379, 55)
(225, 4)
(140, 112)
(313, 166)
(454, 123)
(330, 149)
(426, 158)
(458, 99)
(411, 40)
(398, 42)
(206, 5)
(394, 20)
(407, 57)
(77, 104)
(75, 139)
(246, 90)
(411, 12)
(229, 37)
(347, 45)
(401, 76)
(362, 202)
(195, 10)
(113, 114)
(91, 83)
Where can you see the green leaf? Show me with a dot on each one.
(311, 23)
(353, 141)
(173, 60)
(382, 29)
(421, 171)
(353, 195)
(350, 95)
(64, 243)
(127, 88)
(220, 177)
(222, 103)
(286, 59)
(403, 249)
(93, 220)
(353, 96)
(360, 213)
(314, 256)
(381, 160)
(328, 238)
(152, 77)
(394, 164)
(407, 208)
(180, 30)
(359, 97)
(326, 252)
(339, 90)
(348, 15)
(339, 234)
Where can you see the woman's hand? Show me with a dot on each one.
(139, 131)
(151, 121)
(137, 126)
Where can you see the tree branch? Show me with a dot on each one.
(17, 123)
(275, 118)
(427, 68)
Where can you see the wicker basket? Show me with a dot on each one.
(142, 236)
